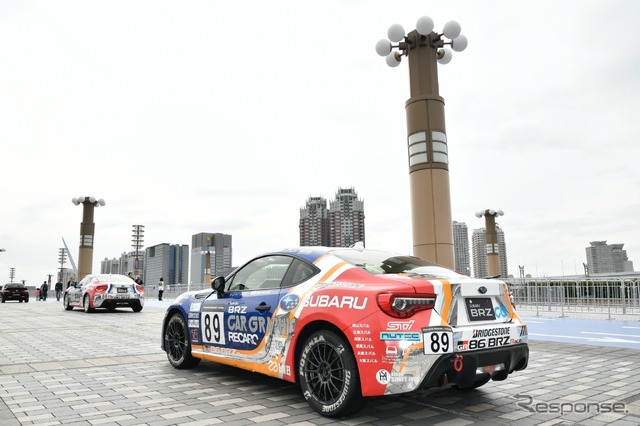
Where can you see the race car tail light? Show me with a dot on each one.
(101, 288)
(405, 305)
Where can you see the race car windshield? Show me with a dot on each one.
(381, 262)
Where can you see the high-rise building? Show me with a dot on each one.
(110, 266)
(122, 265)
(340, 226)
(606, 258)
(461, 248)
(479, 251)
(167, 261)
(219, 245)
(346, 218)
(314, 223)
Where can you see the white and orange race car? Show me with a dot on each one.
(104, 291)
(350, 323)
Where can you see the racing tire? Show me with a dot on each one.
(177, 344)
(86, 305)
(136, 308)
(65, 303)
(328, 374)
(26, 300)
(3, 300)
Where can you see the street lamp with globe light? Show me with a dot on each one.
(87, 232)
(491, 235)
(432, 226)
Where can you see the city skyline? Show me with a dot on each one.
(148, 108)
(340, 225)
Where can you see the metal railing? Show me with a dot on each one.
(173, 290)
(611, 296)
(615, 295)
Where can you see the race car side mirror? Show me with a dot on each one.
(217, 285)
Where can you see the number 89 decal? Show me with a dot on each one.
(437, 340)
(212, 324)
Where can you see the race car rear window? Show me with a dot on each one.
(381, 262)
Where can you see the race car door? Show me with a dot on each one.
(76, 292)
(238, 321)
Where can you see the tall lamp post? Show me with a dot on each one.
(207, 265)
(62, 258)
(87, 231)
(137, 241)
(426, 133)
(491, 235)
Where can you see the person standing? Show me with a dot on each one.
(44, 289)
(58, 290)
(160, 288)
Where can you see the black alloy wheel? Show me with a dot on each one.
(329, 375)
(177, 344)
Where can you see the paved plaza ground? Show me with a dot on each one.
(107, 368)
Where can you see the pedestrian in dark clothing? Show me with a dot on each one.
(44, 289)
(58, 290)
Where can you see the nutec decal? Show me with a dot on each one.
(391, 335)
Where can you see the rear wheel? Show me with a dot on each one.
(136, 308)
(65, 303)
(329, 376)
(177, 343)
(87, 307)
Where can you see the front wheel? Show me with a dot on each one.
(177, 344)
(329, 376)
(65, 303)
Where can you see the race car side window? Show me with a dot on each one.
(298, 272)
(262, 273)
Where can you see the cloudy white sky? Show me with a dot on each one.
(212, 116)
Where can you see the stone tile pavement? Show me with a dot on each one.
(72, 368)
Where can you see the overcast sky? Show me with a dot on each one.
(212, 116)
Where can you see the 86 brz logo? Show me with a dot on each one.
(470, 345)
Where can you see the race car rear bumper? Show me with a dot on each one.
(466, 368)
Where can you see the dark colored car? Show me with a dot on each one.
(15, 291)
